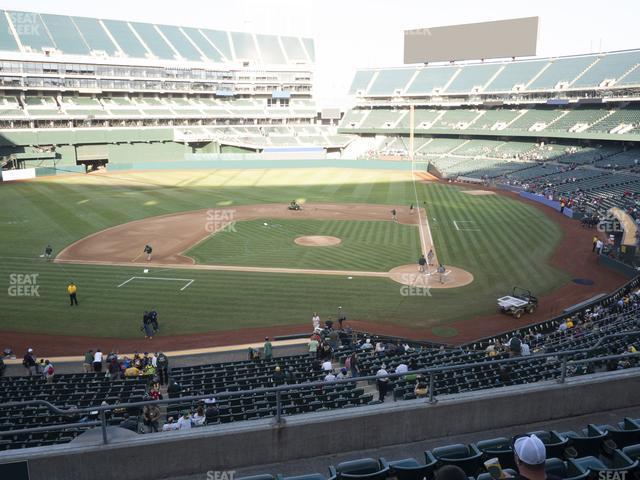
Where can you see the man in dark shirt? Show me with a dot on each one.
(153, 319)
(212, 412)
(163, 368)
(29, 362)
(422, 262)
(174, 389)
(129, 423)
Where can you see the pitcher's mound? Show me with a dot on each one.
(317, 241)
(409, 275)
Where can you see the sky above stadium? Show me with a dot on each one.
(351, 34)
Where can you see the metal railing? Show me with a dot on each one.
(633, 283)
(562, 357)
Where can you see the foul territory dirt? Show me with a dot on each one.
(171, 235)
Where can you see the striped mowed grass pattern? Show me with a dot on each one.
(366, 245)
(502, 241)
(512, 247)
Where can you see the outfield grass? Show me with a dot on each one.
(508, 243)
(366, 245)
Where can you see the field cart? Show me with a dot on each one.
(519, 302)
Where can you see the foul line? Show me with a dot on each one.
(464, 229)
(420, 228)
(188, 280)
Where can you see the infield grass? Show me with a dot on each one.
(366, 245)
(503, 242)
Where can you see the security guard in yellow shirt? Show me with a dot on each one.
(72, 289)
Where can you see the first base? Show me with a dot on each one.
(146, 270)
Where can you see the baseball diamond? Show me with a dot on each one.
(100, 234)
(243, 241)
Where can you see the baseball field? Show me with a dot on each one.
(227, 256)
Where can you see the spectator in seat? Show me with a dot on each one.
(504, 373)
(278, 376)
(530, 456)
(326, 352)
(421, 390)
(154, 393)
(170, 425)
(149, 370)
(450, 472)
(330, 377)
(515, 346)
(402, 368)
(211, 412)
(129, 423)
(342, 374)
(366, 345)
(184, 422)
(114, 368)
(316, 366)
(291, 376)
(327, 366)
(174, 389)
(132, 372)
(199, 418)
(151, 418)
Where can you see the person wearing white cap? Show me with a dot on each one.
(29, 362)
(530, 456)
